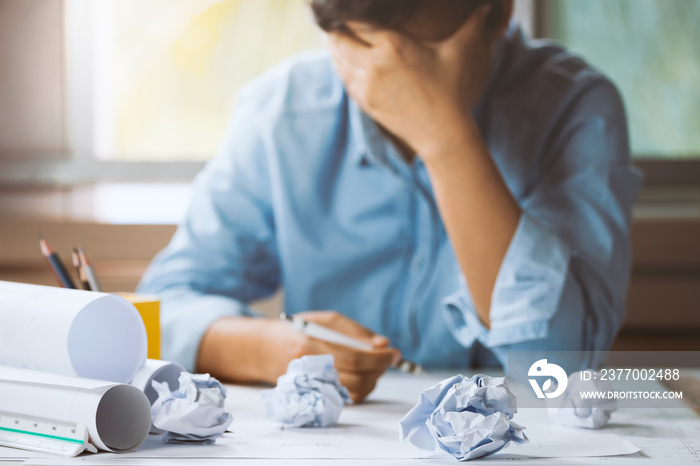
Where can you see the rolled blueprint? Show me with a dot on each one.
(158, 371)
(117, 416)
(70, 332)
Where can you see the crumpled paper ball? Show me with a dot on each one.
(571, 409)
(467, 418)
(194, 413)
(308, 395)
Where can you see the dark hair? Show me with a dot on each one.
(331, 15)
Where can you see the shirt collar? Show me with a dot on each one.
(366, 135)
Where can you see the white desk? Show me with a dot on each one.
(368, 434)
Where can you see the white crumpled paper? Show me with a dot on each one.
(571, 409)
(308, 395)
(468, 418)
(194, 413)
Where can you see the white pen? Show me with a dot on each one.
(322, 333)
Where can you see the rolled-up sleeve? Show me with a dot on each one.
(563, 280)
(223, 255)
(526, 293)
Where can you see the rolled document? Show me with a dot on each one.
(157, 371)
(160, 371)
(70, 332)
(117, 416)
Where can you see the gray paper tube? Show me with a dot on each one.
(159, 371)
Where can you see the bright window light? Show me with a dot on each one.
(152, 204)
(164, 75)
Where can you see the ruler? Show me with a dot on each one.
(43, 435)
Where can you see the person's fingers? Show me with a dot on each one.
(379, 341)
(353, 49)
(358, 370)
(340, 323)
(379, 358)
(361, 33)
(341, 66)
(352, 360)
(365, 361)
(359, 385)
(347, 71)
(364, 45)
(377, 38)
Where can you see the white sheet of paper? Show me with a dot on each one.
(554, 441)
(71, 332)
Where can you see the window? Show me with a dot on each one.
(116, 97)
(649, 48)
(164, 75)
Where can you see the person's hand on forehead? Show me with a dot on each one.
(414, 79)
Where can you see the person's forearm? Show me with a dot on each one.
(477, 209)
(235, 349)
(245, 349)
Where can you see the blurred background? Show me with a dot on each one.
(109, 108)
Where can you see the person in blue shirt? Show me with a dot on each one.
(434, 183)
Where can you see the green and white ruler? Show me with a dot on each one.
(43, 435)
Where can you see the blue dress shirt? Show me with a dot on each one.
(307, 194)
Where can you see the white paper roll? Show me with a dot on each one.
(160, 371)
(117, 416)
(70, 332)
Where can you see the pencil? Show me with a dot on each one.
(86, 267)
(55, 263)
(331, 336)
(80, 270)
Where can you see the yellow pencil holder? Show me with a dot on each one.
(149, 308)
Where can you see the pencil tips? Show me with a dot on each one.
(76, 259)
(59, 271)
(44, 245)
(81, 263)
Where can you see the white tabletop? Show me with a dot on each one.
(368, 434)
